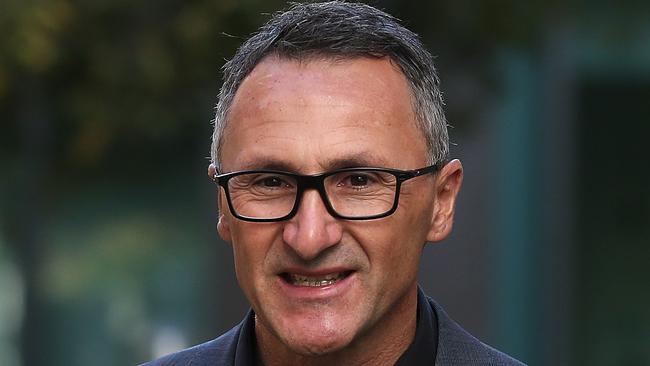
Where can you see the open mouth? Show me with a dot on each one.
(314, 281)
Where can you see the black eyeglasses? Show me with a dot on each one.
(350, 194)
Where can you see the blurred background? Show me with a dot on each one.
(108, 249)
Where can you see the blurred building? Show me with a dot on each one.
(108, 252)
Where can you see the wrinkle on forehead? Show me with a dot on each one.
(316, 113)
(269, 161)
(270, 79)
(310, 151)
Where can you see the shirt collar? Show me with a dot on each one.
(246, 353)
(422, 350)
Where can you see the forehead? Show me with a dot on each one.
(312, 115)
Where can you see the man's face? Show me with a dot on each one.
(309, 117)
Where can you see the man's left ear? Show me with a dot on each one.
(448, 182)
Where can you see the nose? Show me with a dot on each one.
(313, 229)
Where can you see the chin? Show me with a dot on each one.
(318, 347)
(318, 342)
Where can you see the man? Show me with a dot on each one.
(330, 152)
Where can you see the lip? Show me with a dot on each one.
(316, 293)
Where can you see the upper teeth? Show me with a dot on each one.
(328, 279)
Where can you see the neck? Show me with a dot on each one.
(382, 344)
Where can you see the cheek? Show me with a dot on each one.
(248, 253)
(399, 241)
(416, 215)
(251, 244)
(393, 244)
(243, 265)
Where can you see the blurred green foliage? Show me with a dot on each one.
(114, 72)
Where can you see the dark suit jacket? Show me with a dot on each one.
(455, 347)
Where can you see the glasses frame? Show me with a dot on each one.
(316, 181)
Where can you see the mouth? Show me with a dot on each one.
(314, 281)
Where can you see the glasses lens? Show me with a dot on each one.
(262, 195)
(361, 193)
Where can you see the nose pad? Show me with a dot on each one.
(313, 229)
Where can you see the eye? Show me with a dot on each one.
(358, 180)
(262, 183)
(271, 182)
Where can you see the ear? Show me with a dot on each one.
(223, 227)
(212, 171)
(448, 182)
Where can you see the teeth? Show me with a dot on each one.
(298, 280)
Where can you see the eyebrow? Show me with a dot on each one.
(355, 161)
(268, 163)
(363, 159)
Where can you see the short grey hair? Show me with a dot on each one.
(341, 30)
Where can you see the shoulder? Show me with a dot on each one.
(219, 351)
(457, 347)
